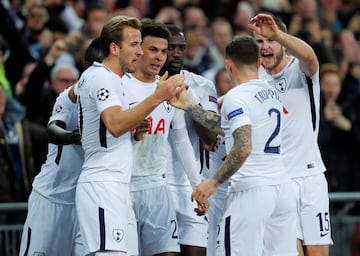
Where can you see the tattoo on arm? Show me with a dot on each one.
(206, 118)
(237, 155)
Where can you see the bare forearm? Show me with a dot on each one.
(301, 50)
(295, 46)
(206, 136)
(119, 122)
(207, 119)
(237, 155)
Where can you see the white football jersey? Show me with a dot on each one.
(300, 96)
(107, 158)
(257, 104)
(204, 89)
(60, 172)
(150, 155)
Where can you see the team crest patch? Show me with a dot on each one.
(281, 85)
(58, 109)
(118, 235)
(102, 94)
(234, 113)
(167, 106)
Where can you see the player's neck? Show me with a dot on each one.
(113, 66)
(282, 64)
(146, 78)
(245, 74)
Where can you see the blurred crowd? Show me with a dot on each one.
(42, 43)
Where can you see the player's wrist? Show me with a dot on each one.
(216, 182)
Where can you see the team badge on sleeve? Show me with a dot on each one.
(234, 113)
(118, 234)
(102, 94)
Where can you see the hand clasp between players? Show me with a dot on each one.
(181, 100)
(168, 87)
(201, 195)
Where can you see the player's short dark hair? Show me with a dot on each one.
(173, 28)
(155, 29)
(93, 53)
(243, 50)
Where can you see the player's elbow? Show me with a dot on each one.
(245, 152)
(309, 65)
(116, 131)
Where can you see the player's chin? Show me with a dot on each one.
(131, 69)
(175, 66)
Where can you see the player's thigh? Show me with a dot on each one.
(318, 250)
(280, 232)
(243, 224)
(217, 201)
(104, 212)
(155, 213)
(314, 216)
(193, 229)
(49, 227)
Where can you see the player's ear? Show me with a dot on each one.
(228, 65)
(259, 63)
(114, 48)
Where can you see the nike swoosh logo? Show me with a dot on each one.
(324, 234)
(132, 103)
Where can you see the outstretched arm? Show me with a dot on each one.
(264, 25)
(234, 160)
(206, 118)
(119, 122)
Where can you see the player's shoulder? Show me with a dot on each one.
(128, 80)
(198, 80)
(63, 97)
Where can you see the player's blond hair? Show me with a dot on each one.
(113, 31)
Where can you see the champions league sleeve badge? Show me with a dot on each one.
(58, 109)
(102, 94)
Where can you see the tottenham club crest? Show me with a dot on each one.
(118, 234)
(102, 94)
(167, 106)
(280, 85)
